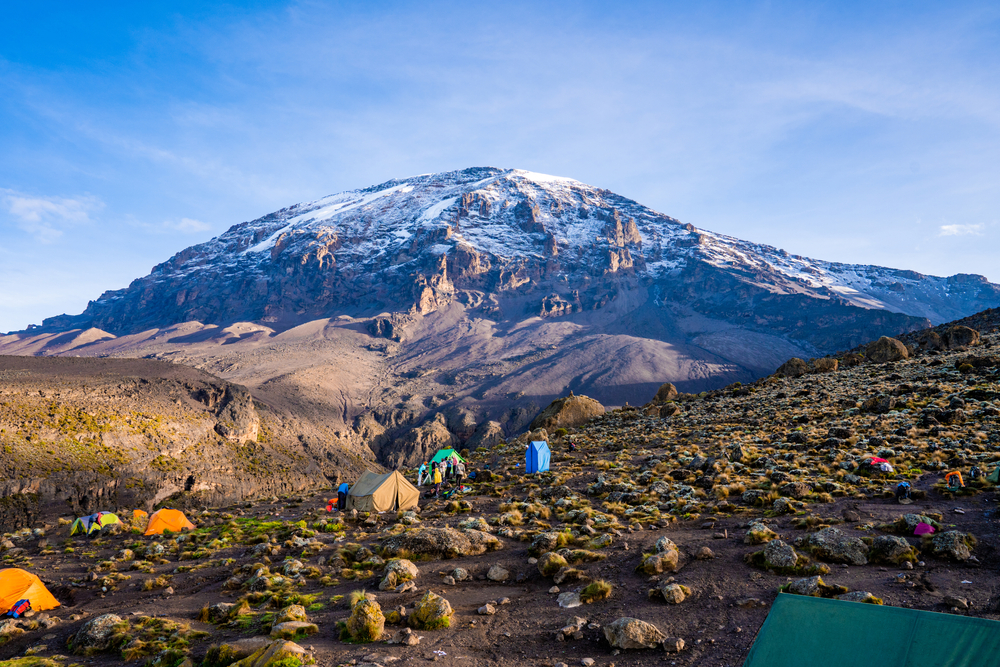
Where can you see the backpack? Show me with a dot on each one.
(19, 608)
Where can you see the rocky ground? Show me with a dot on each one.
(688, 514)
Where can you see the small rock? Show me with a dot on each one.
(554, 590)
(705, 554)
(487, 610)
(673, 644)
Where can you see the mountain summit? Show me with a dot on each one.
(488, 235)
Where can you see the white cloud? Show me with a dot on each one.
(187, 225)
(961, 230)
(45, 217)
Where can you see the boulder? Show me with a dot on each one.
(230, 652)
(431, 613)
(397, 571)
(568, 412)
(780, 554)
(406, 637)
(293, 612)
(441, 542)
(672, 593)
(860, 596)
(544, 542)
(367, 623)
(666, 392)
(792, 368)
(95, 635)
(960, 336)
(798, 490)
(834, 546)
(628, 633)
(280, 652)
(891, 550)
(297, 629)
(953, 545)
(498, 573)
(815, 587)
(886, 349)
(758, 533)
(549, 563)
(660, 562)
(826, 365)
(487, 434)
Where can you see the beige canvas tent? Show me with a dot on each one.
(382, 493)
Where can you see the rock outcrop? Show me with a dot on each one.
(568, 412)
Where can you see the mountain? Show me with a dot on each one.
(449, 308)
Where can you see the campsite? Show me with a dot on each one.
(663, 533)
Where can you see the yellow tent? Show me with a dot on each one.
(381, 493)
(167, 519)
(17, 584)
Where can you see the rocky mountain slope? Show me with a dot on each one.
(450, 308)
(689, 519)
(83, 434)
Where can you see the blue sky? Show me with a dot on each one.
(848, 131)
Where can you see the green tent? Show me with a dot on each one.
(88, 525)
(801, 630)
(994, 477)
(446, 454)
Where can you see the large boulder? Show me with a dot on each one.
(95, 635)
(792, 368)
(367, 623)
(568, 412)
(953, 545)
(665, 558)
(280, 652)
(759, 533)
(397, 571)
(959, 336)
(666, 392)
(442, 543)
(826, 365)
(633, 633)
(886, 349)
(891, 550)
(834, 546)
(487, 434)
(780, 554)
(431, 613)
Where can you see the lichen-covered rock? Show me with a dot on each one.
(296, 629)
(834, 546)
(815, 587)
(544, 542)
(663, 545)
(367, 623)
(293, 612)
(758, 533)
(660, 562)
(779, 554)
(397, 571)
(480, 542)
(432, 612)
(95, 635)
(666, 392)
(826, 365)
(475, 523)
(626, 633)
(231, 652)
(550, 563)
(860, 596)
(280, 652)
(440, 542)
(960, 336)
(892, 550)
(672, 593)
(953, 545)
(568, 412)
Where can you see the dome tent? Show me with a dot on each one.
(444, 454)
(381, 493)
(93, 523)
(17, 584)
(167, 519)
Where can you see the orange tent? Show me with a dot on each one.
(17, 584)
(167, 519)
(139, 519)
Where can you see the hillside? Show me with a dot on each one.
(693, 513)
(80, 434)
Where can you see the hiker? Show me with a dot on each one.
(572, 446)
(450, 470)
(975, 473)
(903, 493)
(954, 480)
(437, 481)
(459, 473)
(422, 474)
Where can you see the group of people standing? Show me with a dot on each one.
(449, 471)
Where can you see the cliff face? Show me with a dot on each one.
(100, 434)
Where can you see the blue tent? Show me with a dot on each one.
(536, 459)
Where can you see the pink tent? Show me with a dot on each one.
(923, 529)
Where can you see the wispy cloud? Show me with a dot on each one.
(46, 217)
(961, 230)
(187, 225)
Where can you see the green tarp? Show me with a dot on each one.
(446, 454)
(818, 632)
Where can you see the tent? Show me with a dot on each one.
(446, 454)
(994, 477)
(536, 458)
(831, 633)
(17, 584)
(381, 493)
(93, 523)
(167, 519)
